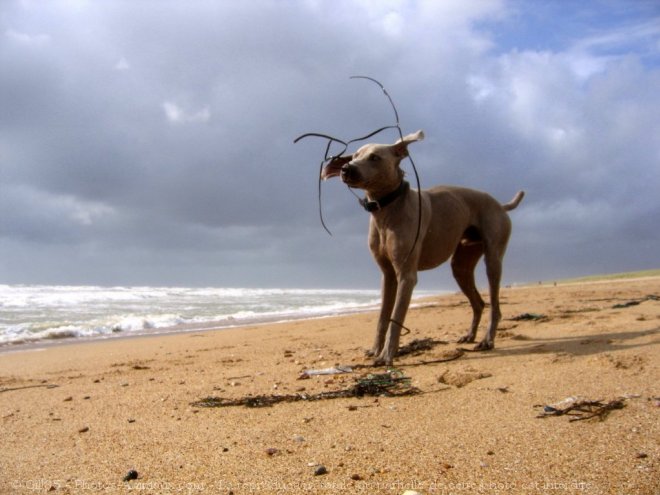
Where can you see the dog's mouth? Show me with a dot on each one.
(350, 175)
(334, 168)
(340, 167)
(349, 180)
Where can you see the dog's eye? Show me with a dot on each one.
(374, 158)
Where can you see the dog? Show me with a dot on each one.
(464, 224)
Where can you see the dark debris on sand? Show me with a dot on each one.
(393, 383)
(583, 409)
(418, 346)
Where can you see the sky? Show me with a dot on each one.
(151, 142)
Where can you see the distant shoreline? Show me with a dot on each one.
(607, 277)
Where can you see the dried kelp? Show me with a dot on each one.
(390, 384)
(636, 302)
(44, 385)
(419, 346)
(581, 409)
(529, 317)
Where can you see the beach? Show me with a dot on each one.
(77, 418)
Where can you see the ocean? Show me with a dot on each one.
(39, 313)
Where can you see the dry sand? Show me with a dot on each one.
(123, 405)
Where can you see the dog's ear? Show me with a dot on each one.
(400, 148)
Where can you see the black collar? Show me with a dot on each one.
(381, 203)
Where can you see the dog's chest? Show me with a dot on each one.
(383, 241)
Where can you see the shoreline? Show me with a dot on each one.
(79, 417)
(189, 328)
(257, 320)
(221, 325)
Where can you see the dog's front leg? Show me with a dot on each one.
(405, 286)
(388, 296)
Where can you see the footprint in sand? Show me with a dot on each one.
(507, 334)
(561, 357)
(621, 362)
(460, 378)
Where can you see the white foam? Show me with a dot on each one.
(35, 313)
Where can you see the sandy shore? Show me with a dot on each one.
(77, 418)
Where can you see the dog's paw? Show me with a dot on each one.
(383, 360)
(466, 339)
(484, 345)
(371, 352)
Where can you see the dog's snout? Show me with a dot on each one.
(348, 171)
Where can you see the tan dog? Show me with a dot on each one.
(458, 222)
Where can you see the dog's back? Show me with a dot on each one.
(462, 215)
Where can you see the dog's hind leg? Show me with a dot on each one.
(494, 273)
(463, 264)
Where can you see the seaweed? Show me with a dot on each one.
(581, 409)
(636, 302)
(393, 383)
(529, 317)
(418, 346)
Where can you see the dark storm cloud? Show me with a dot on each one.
(151, 142)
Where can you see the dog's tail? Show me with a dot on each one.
(511, 205)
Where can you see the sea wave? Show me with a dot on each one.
(33, 313)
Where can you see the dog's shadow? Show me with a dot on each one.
(576, 345)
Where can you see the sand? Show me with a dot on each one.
(77, 418)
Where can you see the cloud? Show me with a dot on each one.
(122, 64)
(28, 39)
(40, 216)
(393, 24)
(639, 37)
(177, 115)
(157, 146)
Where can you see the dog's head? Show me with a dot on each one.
(373, 167)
